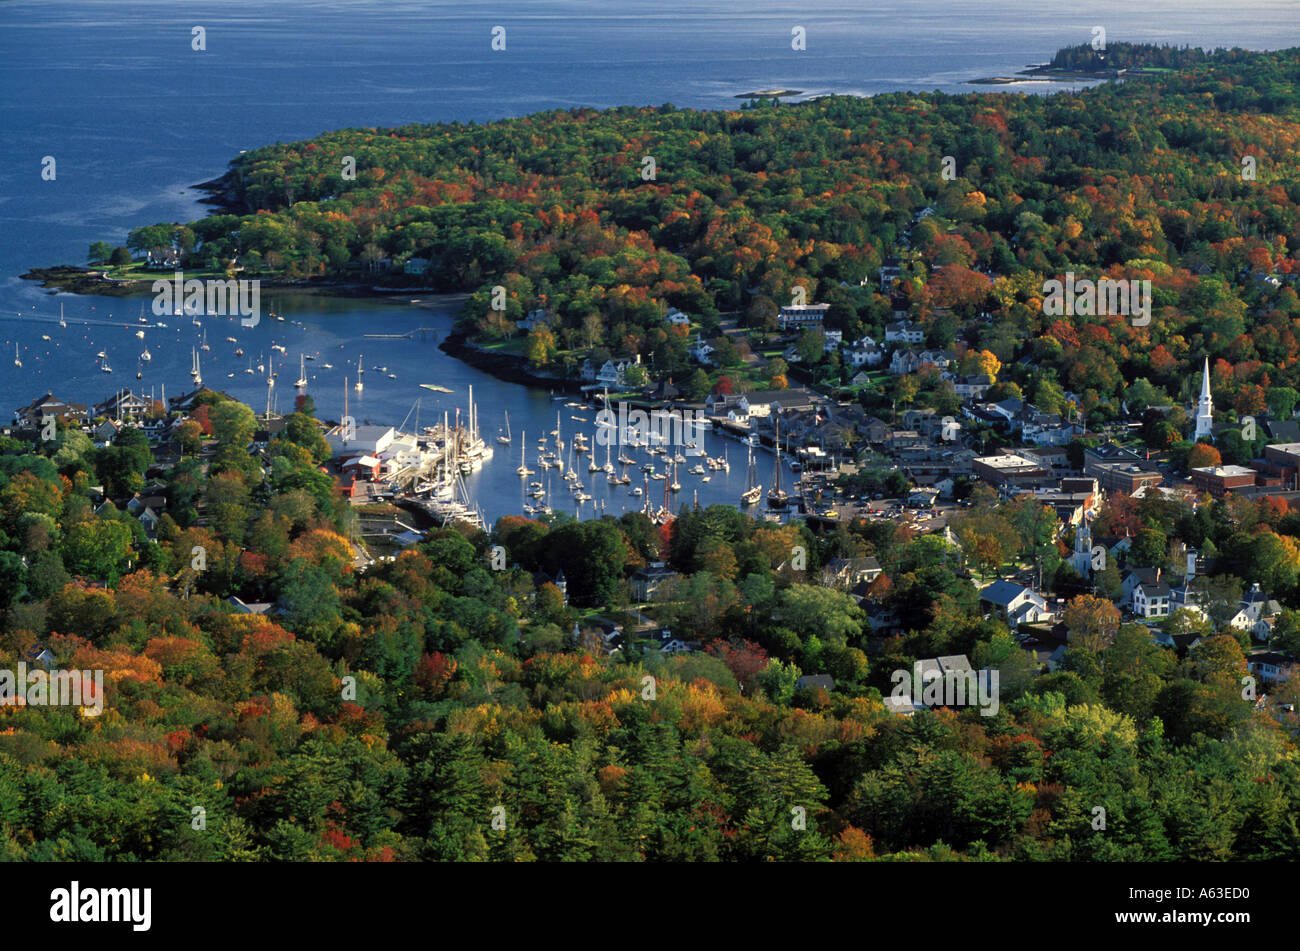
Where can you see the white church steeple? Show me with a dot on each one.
(1082, 557)
(1205, 407)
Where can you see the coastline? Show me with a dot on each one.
(505, 367)
(73, 279)
(508, 368)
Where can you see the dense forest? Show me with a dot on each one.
(456, 704)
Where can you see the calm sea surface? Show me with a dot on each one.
(133, 117)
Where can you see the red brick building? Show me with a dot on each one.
(1220, 480)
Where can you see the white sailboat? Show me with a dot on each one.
(777, 497)
(359, 386)
(523, 470)
(17, 362)
(559, 444)
(62, 323)
(505, 439)
(302, 372)
(753, 491)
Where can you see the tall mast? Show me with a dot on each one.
(778, 455)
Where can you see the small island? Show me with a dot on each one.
(770, 94)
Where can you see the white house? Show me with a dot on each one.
(1047, 429)
(677, 318)
(1256, 613)
(904, 331)
(1151, 599)
(796, 316)
(1016, 603)
(909, 361)
(1271, 667)
(972, 387)
(702, 351)
(864, 355)
(611, 373)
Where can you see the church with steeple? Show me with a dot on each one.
(1205, 407)
(1081, 559)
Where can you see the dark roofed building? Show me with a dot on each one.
(763, 402)
(667, 390)
(849, 572)
(34, 413)
(648, 580)
(123, 405)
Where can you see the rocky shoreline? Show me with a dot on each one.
(71, 279)
(503, 366)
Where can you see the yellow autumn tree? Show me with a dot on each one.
(320, 545)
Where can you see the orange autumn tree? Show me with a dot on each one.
(1202, 455)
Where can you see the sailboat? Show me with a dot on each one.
(302, 372)
(505, 439)
(676, 486)
(777, 498)
(62, 323)
(204, 345)
(17, 362)
(753, 491)
(249, 371)
(194, 370)
(523, 470)
(359, 386)
(146, 356)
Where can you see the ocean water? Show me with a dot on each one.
(133, 117)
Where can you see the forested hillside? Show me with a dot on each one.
(1144, 178)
